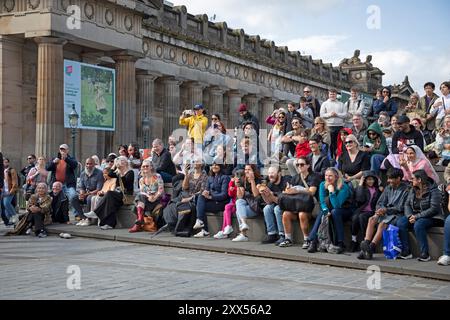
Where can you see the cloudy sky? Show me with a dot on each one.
(409, 38)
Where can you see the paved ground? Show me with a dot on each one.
(32, 268)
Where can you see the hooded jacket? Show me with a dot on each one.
(383, 147)
(393, 199)
(410, 138)
(362, 193)
(430, 203)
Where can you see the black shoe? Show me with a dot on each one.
(355, 246)
(42, 234)
(271, 238)
(424, 257)
(361, 255)
(405, 255)
(280, 240)
(366, 248)
(313, 247)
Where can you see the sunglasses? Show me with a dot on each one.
(145, 166)
(301, 164)
(318, 123)
(372, 133)
(348, 142)
(29, 158)
(306, 91)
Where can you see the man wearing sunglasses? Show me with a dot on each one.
(312, 102)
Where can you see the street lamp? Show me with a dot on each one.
(73, 122)
(145, 129)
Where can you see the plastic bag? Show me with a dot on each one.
(392, 246)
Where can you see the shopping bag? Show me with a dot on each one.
(392, 245)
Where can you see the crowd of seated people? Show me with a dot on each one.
(370, 165)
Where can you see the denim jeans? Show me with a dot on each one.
(7, 204)
(206, 205)
(313, 234)
(403, 224)
(339, 217)
(72, 195)
(420, 227)
(244, 211)
(447, 236)
(274, 220)
(167, 178)
(375, 162)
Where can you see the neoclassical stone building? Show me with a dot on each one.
(166, 60)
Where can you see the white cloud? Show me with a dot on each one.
(421, 66)
(325, 47)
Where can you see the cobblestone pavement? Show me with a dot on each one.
(33, 268)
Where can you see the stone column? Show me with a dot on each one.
(268, 105)
(251, 101)
(50, 96)
(232, 114)
(216, 102)
(145, 106)
(194, 93)
(125, 132)
(170, 105)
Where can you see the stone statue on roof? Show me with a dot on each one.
(355, 60)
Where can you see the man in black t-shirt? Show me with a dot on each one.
(273, 215)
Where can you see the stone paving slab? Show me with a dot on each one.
(404, 267)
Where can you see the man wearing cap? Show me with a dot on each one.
(246, 116)
(406, 134)
(196, 123)
(63, 169)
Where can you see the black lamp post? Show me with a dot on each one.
(145, 129)
(73, 122)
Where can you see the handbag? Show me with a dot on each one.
(149, 224)
(300, 202)
(128, 199)
(392, 246)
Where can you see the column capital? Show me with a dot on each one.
(235, 93)
(146, 75)
(171, 80)
(217, 90)
(195, 84)
(50, 40)
(125, 55)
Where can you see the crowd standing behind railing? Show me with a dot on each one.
(371, 164)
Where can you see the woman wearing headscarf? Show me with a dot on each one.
(414, 160)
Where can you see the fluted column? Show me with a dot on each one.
(194, 93)
(216, 102)
(234, 100)
(145, 106)
(125, 99)
(170, 105)
(50, 96)
(267, 109)
(251, 101)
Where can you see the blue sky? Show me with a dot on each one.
(412, 39)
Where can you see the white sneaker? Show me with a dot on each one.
(14, 219)
(244, 227)
(79, 223)
(85, 223)
(65, 235)
(91, 214)
(106, 227)
(228, 230)
(28, 232)
(444, 260)
(240, 238)
(202, 234)
(220, 235)
(198, 224)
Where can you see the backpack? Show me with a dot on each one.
(326, 236)
(186, 215)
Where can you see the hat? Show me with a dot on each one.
(403, 119)
(198, 107)
(64, 146)
(242, 107)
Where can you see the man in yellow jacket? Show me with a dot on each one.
(196, 123)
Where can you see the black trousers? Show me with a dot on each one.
(107, 208)
(36, 220)
(360, 222)
(334, 133)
